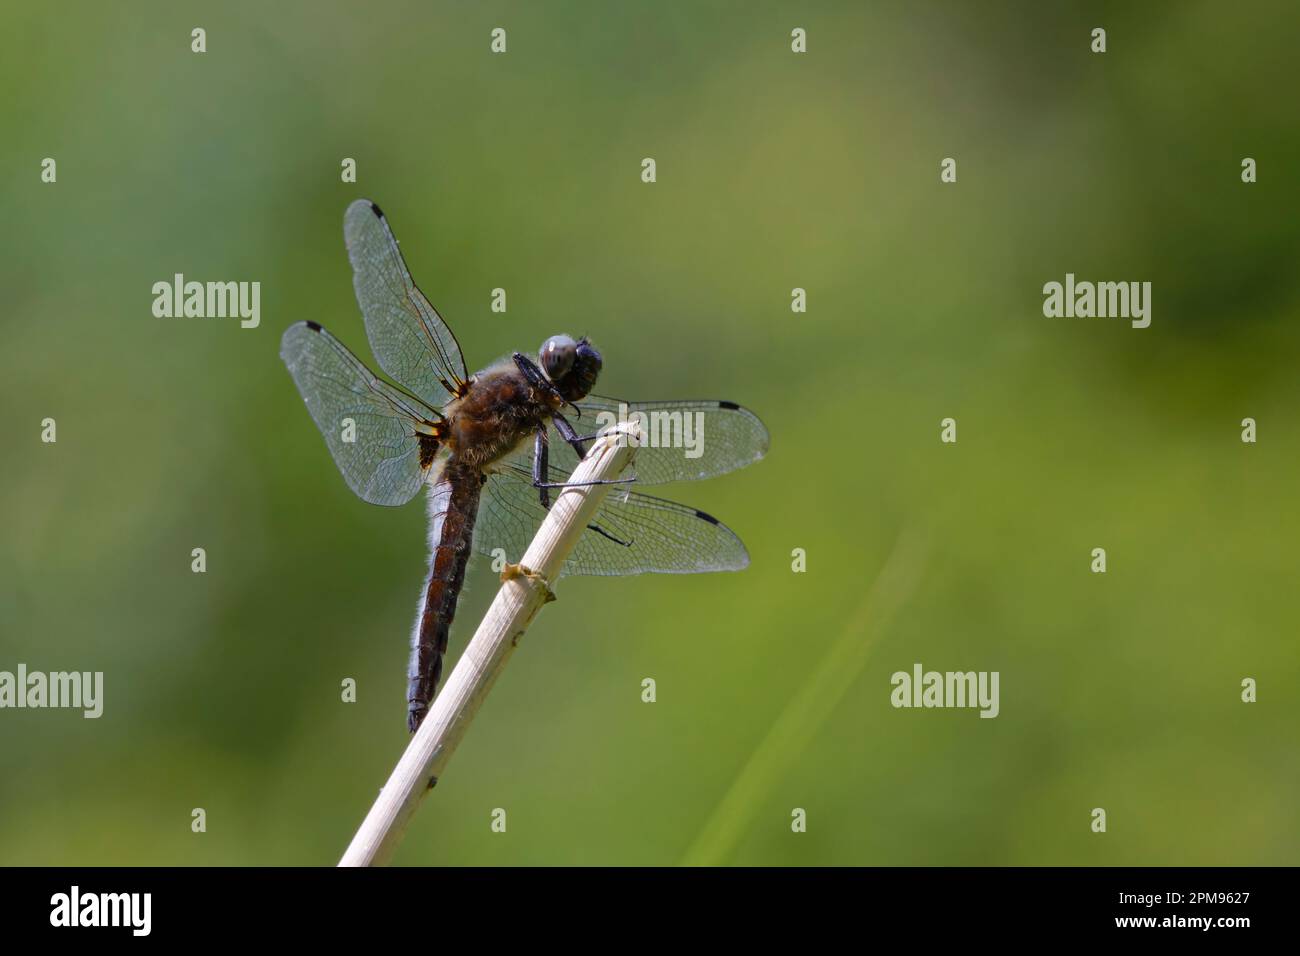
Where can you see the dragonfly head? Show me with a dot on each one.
(571, 366)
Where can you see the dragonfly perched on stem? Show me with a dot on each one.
(482, 444)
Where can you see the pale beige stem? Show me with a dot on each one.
(524, 589)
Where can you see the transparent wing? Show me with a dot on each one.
(631, 533)
(391, 450)
(408, 337)
(687, 441)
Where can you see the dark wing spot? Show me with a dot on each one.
(314, 326)
(379, 213)
(428, 449)
(707, 517)
(730, 406)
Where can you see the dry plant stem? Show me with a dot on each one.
(524, 590)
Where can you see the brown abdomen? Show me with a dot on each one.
(453, 505)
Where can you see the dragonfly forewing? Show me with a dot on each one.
(409, 339)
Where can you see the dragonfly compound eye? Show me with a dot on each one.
(557, 356)
(585, 369)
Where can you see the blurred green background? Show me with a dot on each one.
(775, 170)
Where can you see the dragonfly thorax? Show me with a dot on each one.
(498, 411)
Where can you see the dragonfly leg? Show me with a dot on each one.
(583, 484)
(541, 465)
(569, 435)
(601, 531)
(541, 453)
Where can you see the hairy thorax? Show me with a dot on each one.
(498, 412)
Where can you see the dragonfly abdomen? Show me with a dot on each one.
(453, 506)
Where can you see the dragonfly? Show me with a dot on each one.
(482, 445)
